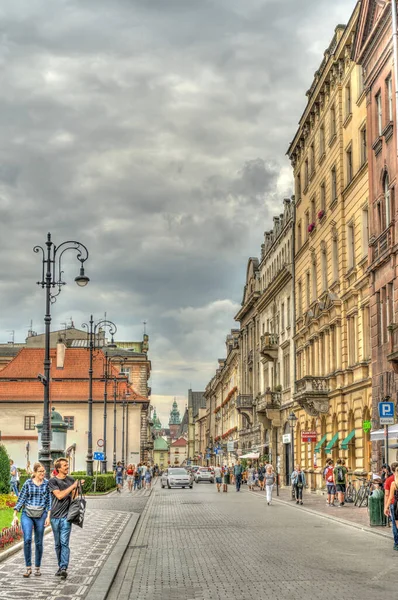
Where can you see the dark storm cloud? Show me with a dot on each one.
(154, 132)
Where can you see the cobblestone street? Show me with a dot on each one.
(201, 545)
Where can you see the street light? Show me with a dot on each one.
(292, 422)
(52, 274)
(94, 344)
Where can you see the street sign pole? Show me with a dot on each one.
(386, 444)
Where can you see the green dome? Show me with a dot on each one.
(160, 444)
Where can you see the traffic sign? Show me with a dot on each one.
(99, 456)
(100, 443)
(387, 413)
(308, 436)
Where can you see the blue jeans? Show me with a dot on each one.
(238, 482)
(28, 525)
(136, 484)
(394, 525)
(14, 487)
(61, 530)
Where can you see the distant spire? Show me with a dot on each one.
(144, 323)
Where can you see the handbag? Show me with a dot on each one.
(34, 512)
(77, 509)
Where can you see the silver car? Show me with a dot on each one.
(204, 474)
(176, 477)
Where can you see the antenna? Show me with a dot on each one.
(12, 331)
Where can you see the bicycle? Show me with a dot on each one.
(363, 492)
(350, 493)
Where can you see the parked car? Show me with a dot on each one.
(204, 474)
(176, 477)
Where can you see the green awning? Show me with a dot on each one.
(344, 443)
(320, 444)
(332, 442)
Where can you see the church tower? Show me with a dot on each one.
(174, 421)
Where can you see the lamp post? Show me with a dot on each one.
(94, 345)
(52, 277)
(292, 422)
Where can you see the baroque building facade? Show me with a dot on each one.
(333, 393)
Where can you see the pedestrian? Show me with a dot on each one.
(118, 475)
(226, 479)
(269, 483)
(298, 482)
(340, 480)
(328, 474)
(250, 477)
(148, 478)
(13, 478)
(130, 477)
(238, 470)
(35, 502)
(261, 476)
(385, 473)
(137, 478)
(63, 489)
(389, 508)
(218, 477)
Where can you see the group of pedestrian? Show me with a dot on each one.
(137, 476)
(335, 476)
(262, 476)
(44, 502)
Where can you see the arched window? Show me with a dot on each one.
(387, 202)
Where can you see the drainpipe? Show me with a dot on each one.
(395, 55)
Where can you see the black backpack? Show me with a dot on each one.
(340, 475)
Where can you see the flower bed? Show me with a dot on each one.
(8, 535)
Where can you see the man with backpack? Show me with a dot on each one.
(328, 474)
(340, 479)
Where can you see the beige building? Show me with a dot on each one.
(178, 452)
(332, 329)
(21, 405)
(196, 401)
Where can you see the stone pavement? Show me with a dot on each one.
(106, 519)
(202, 545)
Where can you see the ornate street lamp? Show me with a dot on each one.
(292, 422)
(95, 344)
(52, 274)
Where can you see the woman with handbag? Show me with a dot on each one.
(35, 501)
(298, 482)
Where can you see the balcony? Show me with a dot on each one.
(269, 400)
(244, 401)
(392, 357)
(269, 346)
(381, 244)
(253, 430)
(312, 394)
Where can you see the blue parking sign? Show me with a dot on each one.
(387, 413)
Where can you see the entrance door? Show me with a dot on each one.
(288, 454)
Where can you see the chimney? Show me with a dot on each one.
(60, 354)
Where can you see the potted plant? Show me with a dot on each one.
(321, 214)
(311, 227)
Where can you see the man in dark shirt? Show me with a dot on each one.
(63, 489)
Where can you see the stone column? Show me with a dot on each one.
(326, 346)
(338, 347)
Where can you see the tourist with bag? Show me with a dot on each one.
(328, 474)
(340, 480)
(63, 489)
(298, 483)
(35, 502)
(269, 483)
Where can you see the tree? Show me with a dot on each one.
(4, 471)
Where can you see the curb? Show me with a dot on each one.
(365, 528)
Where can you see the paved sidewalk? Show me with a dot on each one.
(349, 514)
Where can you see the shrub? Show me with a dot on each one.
(4, 470)
(105, 482)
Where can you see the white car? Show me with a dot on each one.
(175, 477)
(204, 474)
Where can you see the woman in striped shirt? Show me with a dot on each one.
(35, 501)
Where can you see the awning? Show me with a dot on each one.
(344, 443)
(252, 455)
(332, 442)
(378, 434)
(320, 444)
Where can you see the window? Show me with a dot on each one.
(70, 421)
(360, 80)
(324, 270)
(362, 143)
(312, 159)
(307, 223)
(334, 184)
(352, 341)
(314, 282)
(323, 197)
(350, 246)
(389, 97)
(288, 312)
(306, 174)
(348, 107)
(125, 371)
(332, 122)
(348, 158)
(365, 231)
(335, 259)
(321, 141)
(298, 186)
(308, 289)
(390, 304)
(30, 423)
(283, 316)
(366, 332)
(379, 113)
(286, 371)
(313, 211)
(299, 299)
(387, 200)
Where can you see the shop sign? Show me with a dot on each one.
(230, 446)
(286, 438)
(308, 436)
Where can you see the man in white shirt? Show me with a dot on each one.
(218, 476)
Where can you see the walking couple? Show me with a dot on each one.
(44, 502)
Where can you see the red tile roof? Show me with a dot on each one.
(18, 380)
(180, 442)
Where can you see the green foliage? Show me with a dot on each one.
(4, 470)
(105, 482)
(243, 462)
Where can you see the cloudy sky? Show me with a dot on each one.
(155, 132)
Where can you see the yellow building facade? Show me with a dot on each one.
(332, 329)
